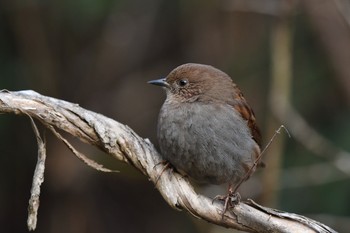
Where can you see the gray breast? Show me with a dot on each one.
(210, 143)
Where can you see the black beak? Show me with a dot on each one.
(159, 82)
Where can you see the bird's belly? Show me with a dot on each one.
(214, 148)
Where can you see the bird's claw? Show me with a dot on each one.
(230, 201)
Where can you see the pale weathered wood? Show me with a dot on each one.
(124, 144)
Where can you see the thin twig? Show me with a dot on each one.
(256, 162)
(81, 156)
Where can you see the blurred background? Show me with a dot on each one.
(291, 59)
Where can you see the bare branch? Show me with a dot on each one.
(38, 179)
(122, 143)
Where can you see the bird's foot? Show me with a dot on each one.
(230, 201)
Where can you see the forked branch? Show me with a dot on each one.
(124, 144)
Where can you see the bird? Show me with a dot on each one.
(206, 129)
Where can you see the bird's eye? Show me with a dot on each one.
(183, 82)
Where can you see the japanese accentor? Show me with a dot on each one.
(206, 128)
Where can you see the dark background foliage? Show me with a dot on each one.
(100, 54)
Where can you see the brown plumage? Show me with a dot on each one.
(206, 128)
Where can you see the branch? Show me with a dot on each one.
(38, 179)
(124, 144)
